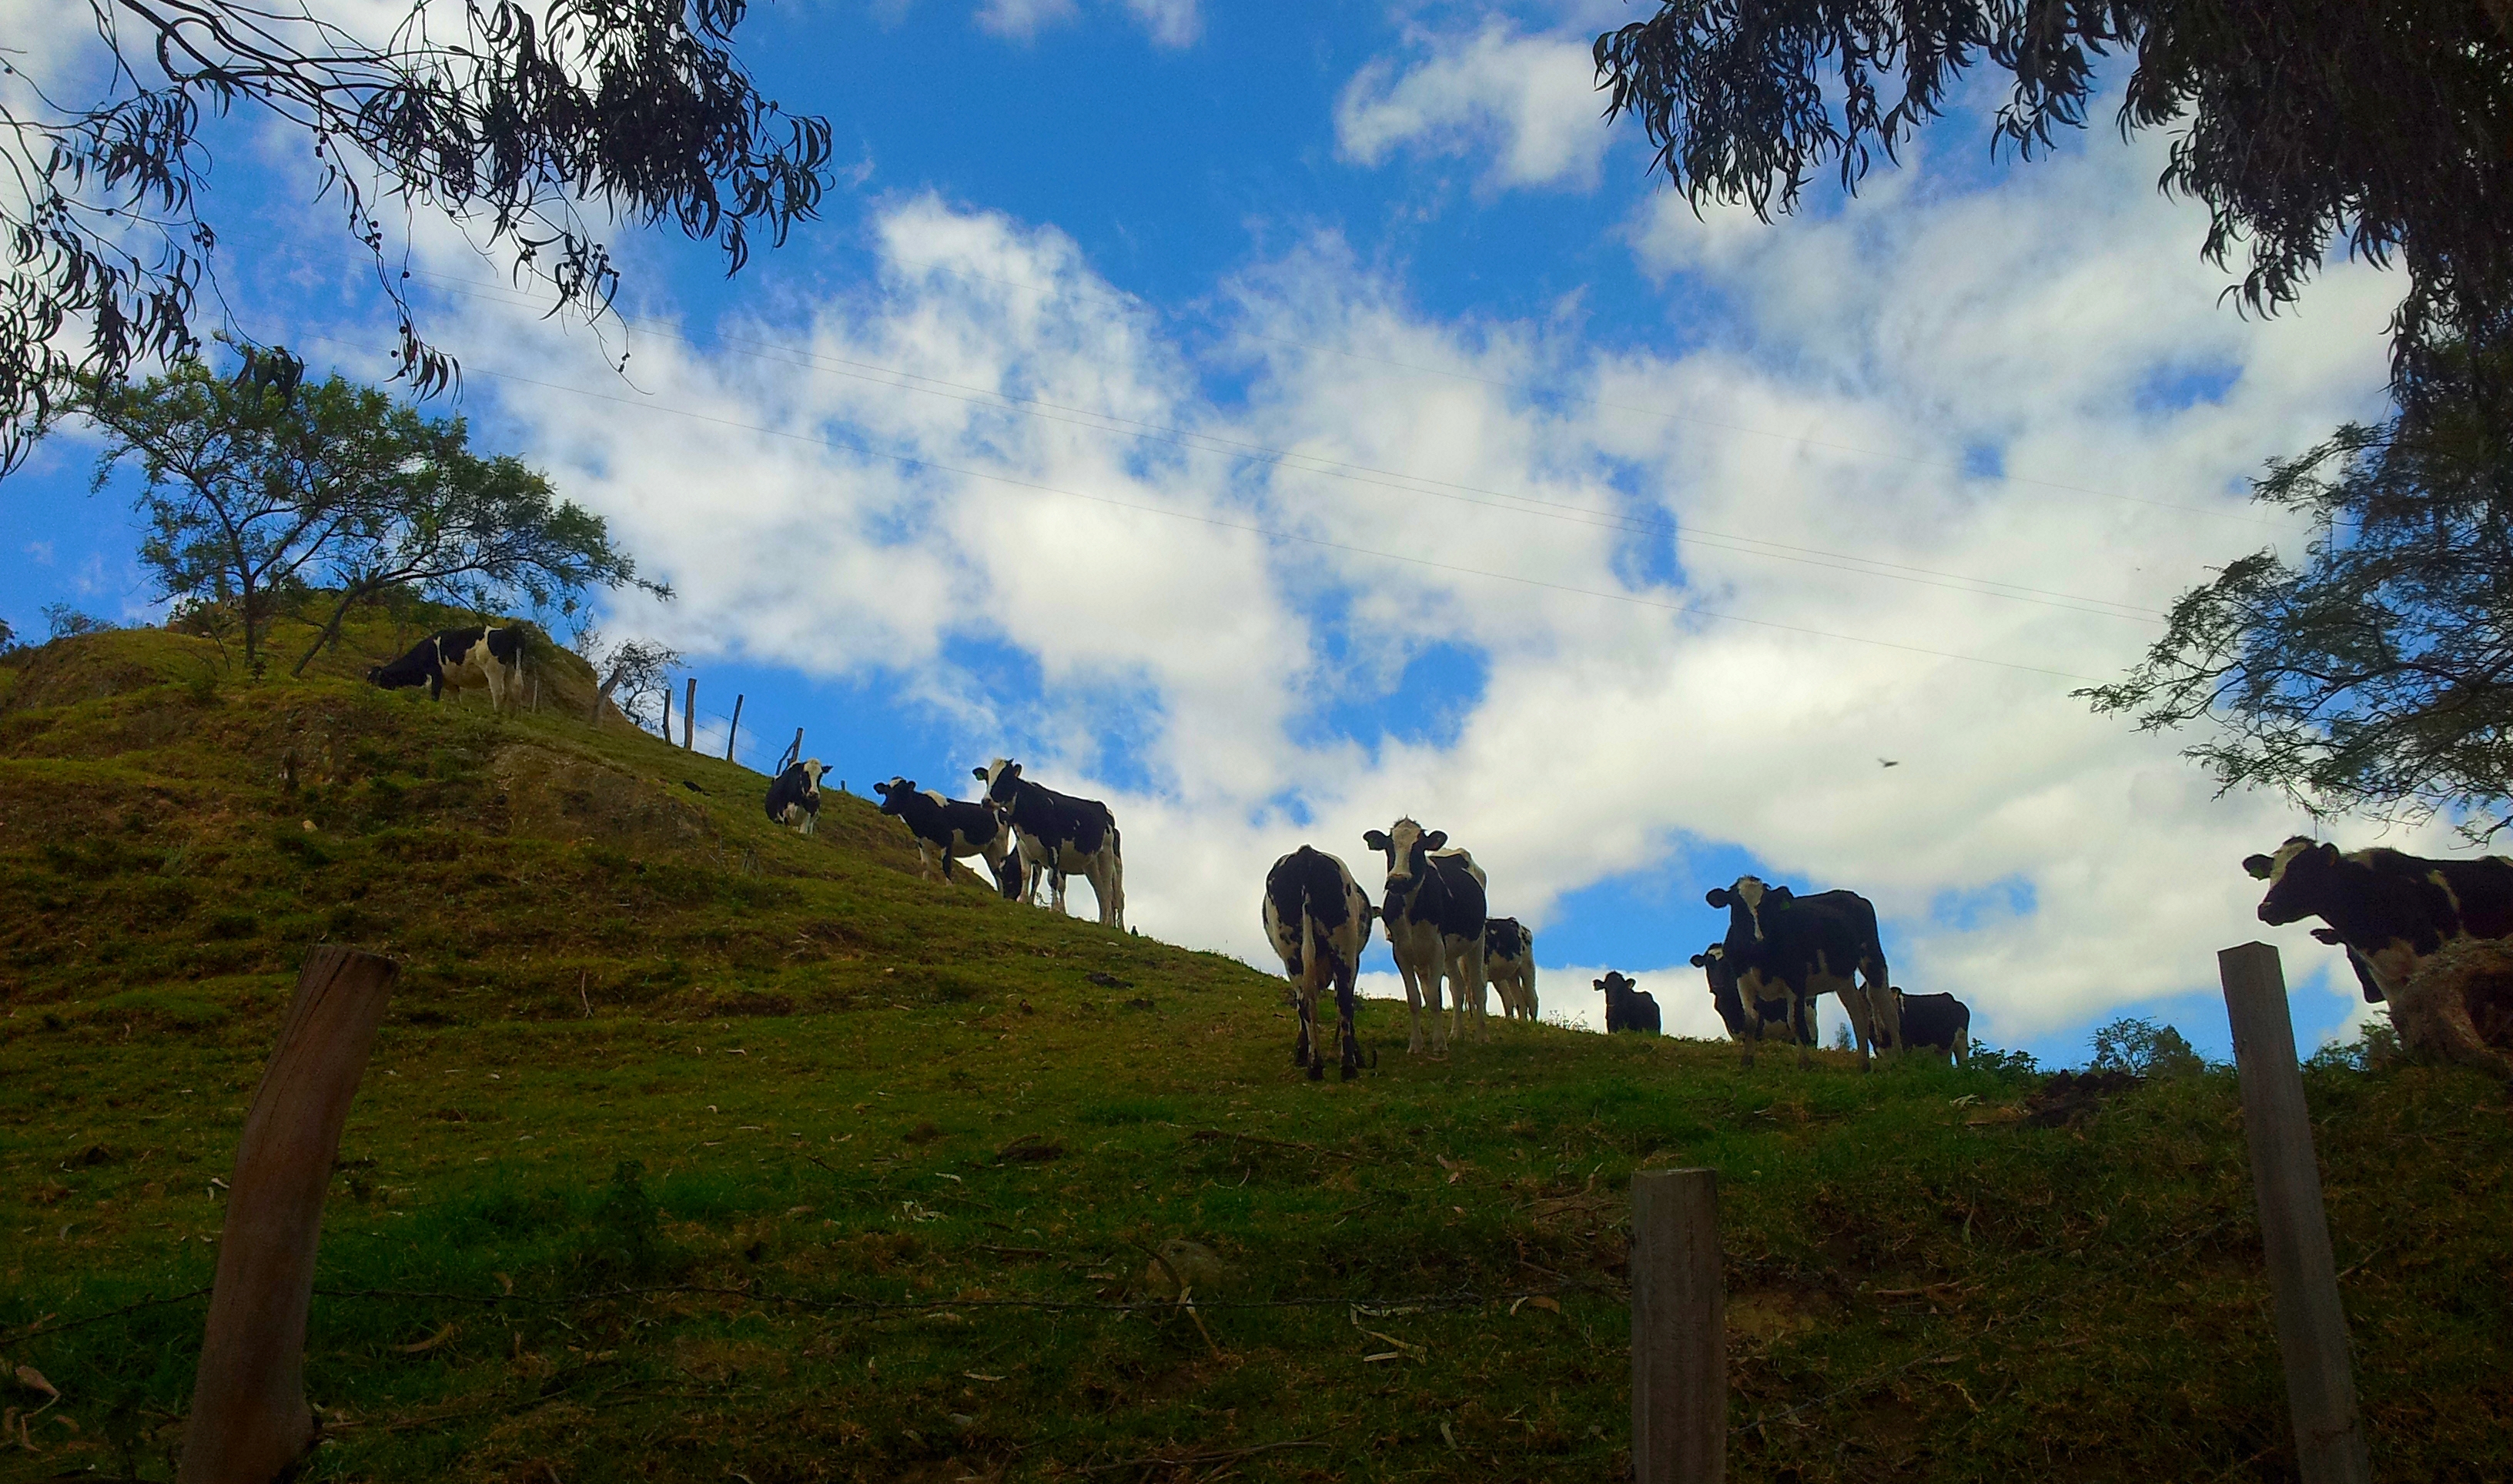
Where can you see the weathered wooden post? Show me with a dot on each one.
(1679, 1330)
(793, 754)
(667, 714)
(689, 717)
(250, 1418)
(732, 728)
(2294, 1228)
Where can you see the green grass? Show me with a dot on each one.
(678, 1157)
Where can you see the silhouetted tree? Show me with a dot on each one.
(515, 120)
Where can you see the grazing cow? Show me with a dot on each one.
(1319, 921)
(1627, 1008)
(459, 660)
(1783, 945)
(794, 797)
(1509, 966)
(1939, 1023)
(1714, 966)
(947, 830)
(1060, 835)
(1433, 908)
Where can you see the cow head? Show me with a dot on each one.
(811, 771)
(1613, 984)
(2300, 878)
(894, 793)
(1406, 846)
(1000, 777)
(1745, 902)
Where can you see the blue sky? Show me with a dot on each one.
(1278, 420)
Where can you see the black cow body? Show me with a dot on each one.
(794, 797)
(459, 660)
(1939, 1023)
(1318, 923)
(1721, 976)
(1785, 946)
(1434, 908)
(947, 830)
(1509, 966)
(1060, 835)
(1627, 1008)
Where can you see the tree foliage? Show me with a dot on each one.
(2378, 673)
(259, 487)
(2137, 1045)
(512, 120)
(2298, 121)
(634, 674)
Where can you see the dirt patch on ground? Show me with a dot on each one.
(550, 794)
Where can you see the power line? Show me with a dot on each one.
(1310, 463)
(1254, 529)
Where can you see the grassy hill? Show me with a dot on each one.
(695, 1150)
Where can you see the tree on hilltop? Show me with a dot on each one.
(259, 487)
(519, 121)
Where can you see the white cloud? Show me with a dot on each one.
(1169, 23)
(1526, 101)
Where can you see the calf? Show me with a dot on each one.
(1627, 1008)
(1433, 908)
(1319, 921)
(1722, 975)
(1939, 1023)
(1509, 966)
(1059, 834)
(1783, 945)
(794, 797)
(947, 830)
(459, 660)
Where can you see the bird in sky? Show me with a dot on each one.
(1889, 763)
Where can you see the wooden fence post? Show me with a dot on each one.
(248, 1418)
(667, 713)
(793, 754)
(2294, 1228)
(1679, 1330)
(689, 717)
(732, 728)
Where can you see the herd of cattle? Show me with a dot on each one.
(2434, 938)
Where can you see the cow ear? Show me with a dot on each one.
(1012, 771)
(1700, 960)
(976, 773)
(1377, 840)
(1779, 894)
(1717, 896)
(2258, 866)
(1599, 982)
(1435, 840)
(2328, 935)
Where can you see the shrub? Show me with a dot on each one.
(2140, 1046)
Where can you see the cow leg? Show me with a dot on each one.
(1885, 1015)
(1862, 1025)
(1750, 1010)
(1306, 1054)
(1472, 962)
(1349, 1052)
(1797, 1017)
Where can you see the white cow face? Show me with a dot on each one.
(1405, 845)
(999, 776)
(1747, 897)
(811, 771)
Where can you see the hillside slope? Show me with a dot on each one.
(693, 1149)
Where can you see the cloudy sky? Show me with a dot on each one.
(1279, 419)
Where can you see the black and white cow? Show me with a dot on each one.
(1317, 921)
(1939, 1023)
(1060, 835)
(2429, 937)
(1627, 1006)
(2388, 909)
(1785, 946)
(794, 797)
(948, 830)
(1509, 966)
(1433, 911)
(1721, 976)
(459, 660)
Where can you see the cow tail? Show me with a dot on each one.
(1117, 872)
